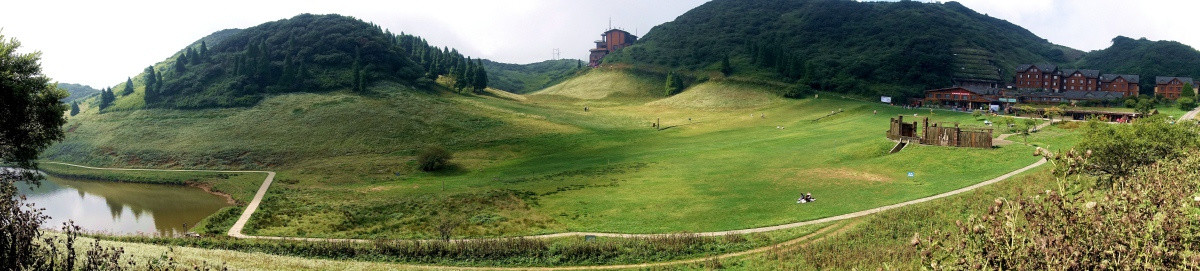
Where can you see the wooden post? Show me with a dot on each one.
(925, 129)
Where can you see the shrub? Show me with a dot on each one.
(1187, 104)
(1120, 149)
(798, 91)
(1144, 222)
(433, 158)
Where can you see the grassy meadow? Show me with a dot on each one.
(539, 163)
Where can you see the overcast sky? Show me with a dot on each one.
(99, 43)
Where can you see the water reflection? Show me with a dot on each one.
(122, 208)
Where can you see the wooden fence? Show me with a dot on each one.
(940, 134)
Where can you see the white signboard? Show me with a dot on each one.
(885, 99)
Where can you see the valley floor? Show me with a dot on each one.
(581, 157)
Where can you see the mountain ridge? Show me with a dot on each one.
(867, 48)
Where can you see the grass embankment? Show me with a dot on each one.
(542, 164)
(566, 251)
(239, 186)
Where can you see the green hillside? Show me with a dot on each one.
(518, 78)
(77, 91)
(306, 53)
(1145, 58)
(867, 48)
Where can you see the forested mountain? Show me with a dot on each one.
(518, 78)
(1145, 58)
(869, 48)
(306, 53)
(77, 91)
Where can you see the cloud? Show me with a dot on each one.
(1091, 25)
(99, 43)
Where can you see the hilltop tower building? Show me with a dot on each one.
(611, 40)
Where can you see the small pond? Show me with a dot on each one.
(122, 208)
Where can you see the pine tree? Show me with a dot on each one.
(128, 87)
(460, 76)
(157, 86)
(74, 108)
(674, 84)
(1188, 91)
(481, 78)
(288, 77)
(193, 56)
(151, 90)
(726, 67)
(356, 77)
(181, 63)
(203, 50)
(106, 98)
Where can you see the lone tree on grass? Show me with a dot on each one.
(1030, 124)
(433, 158)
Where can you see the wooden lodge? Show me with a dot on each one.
(1171, 87)
(1123, 83)
(938, 134)
(1051, 78)
(966, 98)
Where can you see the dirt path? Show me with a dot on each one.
(1190, 114)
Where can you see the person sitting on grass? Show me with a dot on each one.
(805, 198)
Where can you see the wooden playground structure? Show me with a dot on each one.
(938, 134)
